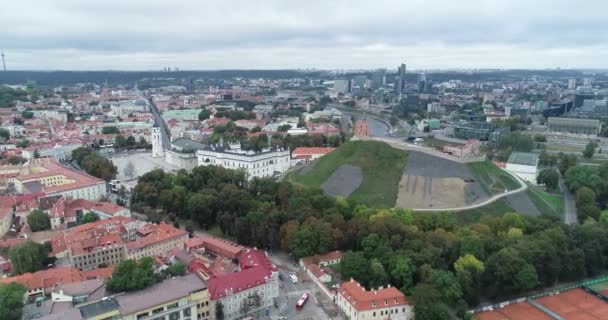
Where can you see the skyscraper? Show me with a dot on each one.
(422, 83)
(400, 87)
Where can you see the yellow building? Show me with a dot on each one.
(179, 298)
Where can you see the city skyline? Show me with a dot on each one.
(150, 35)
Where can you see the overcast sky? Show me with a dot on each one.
(323, 34)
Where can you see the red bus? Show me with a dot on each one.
(302, 301)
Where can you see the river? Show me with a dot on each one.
(377, 127)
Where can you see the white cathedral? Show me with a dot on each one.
(187, 154)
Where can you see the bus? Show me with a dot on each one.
(302, 302)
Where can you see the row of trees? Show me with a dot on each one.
(94, 164)
(132, 275)
(439, 262)
(590, 185)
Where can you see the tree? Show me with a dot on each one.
(4, 134)
(11, 300)
(38, 220)
(129, 170)
(402, 272)
(120, 141)
(585, 196)
(589, 150)
(539, 138)
(566, 161)
(450, 288)
(427, 303)
(355, 265)
(526, 278)
(131, 275)
(110, 130)
(29, 257)
(284, 128)
(131, 142)
(204, 114)
(548, 177)
(176, 269)
(27, 114)
(89, 217)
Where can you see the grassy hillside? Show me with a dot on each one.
(382, 167)
(547, 203)
(491, 178)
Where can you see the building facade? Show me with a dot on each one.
(357, 303)
(266, 163)
(524, 165)
(590, 127)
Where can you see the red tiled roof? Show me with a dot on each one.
(362, 299)
(162, 232)
(330, 256)
(218, 246)
(46, 279)
(256, 268)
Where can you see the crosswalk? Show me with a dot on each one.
(299, 293)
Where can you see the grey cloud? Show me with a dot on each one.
(153, 31)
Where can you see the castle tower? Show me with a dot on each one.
(157, 143)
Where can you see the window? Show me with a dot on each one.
(142, 315)
(396, 301)
(172, 306)
(386, 302)
(174, 316)
(187, 312)
(157, 310)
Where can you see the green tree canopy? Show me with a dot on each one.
(29, 257)
(11, 300)
(38, 220)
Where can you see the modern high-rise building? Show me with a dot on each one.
(422, 83)
(400, 85)
(378, 79)
(572, 84)
(342, 86)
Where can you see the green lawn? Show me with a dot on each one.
(497, 208)
(491, 178)
(563, 147)
(547, 203)
(382, 168)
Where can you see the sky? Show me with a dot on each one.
(286, 34)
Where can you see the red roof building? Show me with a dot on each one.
(383, 303)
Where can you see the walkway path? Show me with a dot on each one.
(570, 216)
(396, 143)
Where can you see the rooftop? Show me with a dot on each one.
(523, 158)
(362, 299)
(168, 290)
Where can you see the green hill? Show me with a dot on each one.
(381, 167)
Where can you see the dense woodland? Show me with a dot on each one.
(429, 256)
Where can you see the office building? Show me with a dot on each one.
(423, 84)
(342, 86)
(575, 126)
(473, 130)
(572, 84)
(400, 84)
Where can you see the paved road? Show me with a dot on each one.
(400, 144)
(158, 120)
(570, 216)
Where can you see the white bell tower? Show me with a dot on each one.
(157, 143)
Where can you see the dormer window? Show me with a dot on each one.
(373, 303)
(386, 302)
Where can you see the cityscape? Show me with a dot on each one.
(313, 161)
